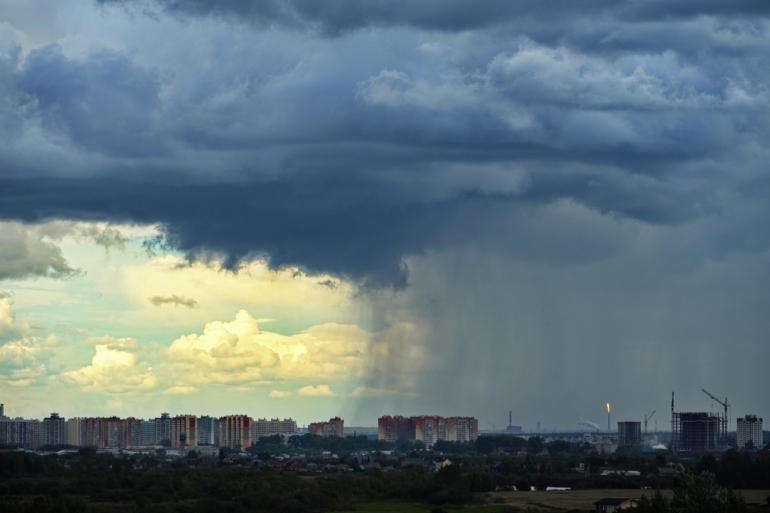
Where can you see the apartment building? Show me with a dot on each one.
(334, 427)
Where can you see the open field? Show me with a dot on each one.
(583, 499)
(546, 501)
(405, 507)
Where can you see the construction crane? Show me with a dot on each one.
(647, 418)
(726, 420)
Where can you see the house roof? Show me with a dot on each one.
(612, 501)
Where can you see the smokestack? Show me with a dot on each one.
(510, 418)
(608, 418)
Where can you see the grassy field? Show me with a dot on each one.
(584, 499)
(404, 507)
(545, 501)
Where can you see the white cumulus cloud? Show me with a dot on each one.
(114, 369)
(317, 391)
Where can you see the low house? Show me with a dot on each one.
(292, 466)
(441, 462)
(612, 504)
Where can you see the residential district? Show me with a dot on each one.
(205, 463)
(692, 431)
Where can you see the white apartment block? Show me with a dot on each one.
(750, 430)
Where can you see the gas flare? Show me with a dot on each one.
(608, 407)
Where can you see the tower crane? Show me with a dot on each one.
(726, 421)
(647, 418)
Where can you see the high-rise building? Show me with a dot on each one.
(629, 433)
(14, 431)
(234, 431)
(462, 429)
(162, 428)
(54, 430)
(264, 427)
(335, 427)
(148, 433)
(206, 430)
(131, 432)
(697, 430)
(392, 428)
(428, 428)
(112, 433)
(35, 434)
(73, 431)
(750, 430)
(184, 431)
(91, 432)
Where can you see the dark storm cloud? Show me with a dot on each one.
(337, 16)
(104, 104)
(344, 154)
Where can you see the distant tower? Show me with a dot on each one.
(2, 410)
(510, 415)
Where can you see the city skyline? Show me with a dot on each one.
(360, 208)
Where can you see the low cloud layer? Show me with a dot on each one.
(24, 353)
(29, 253)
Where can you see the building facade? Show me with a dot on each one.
(54, 430)
(750, 430)
(206, 430)
(35, 434)
(162, 428)
(629, 433)
(184, 431)
(264, 427)
(697, 430)
(14, 431)
(392, 428)
(131, 432)
(428, 428)
(462, 429)
(234, 431)
(335, 427)
(73, 431)
(148, 433)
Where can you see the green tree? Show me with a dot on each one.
(699, 493)
(657, 504)
(535, 444)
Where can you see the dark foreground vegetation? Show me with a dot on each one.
(257, 481)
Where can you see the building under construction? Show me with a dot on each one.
(697, 430)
